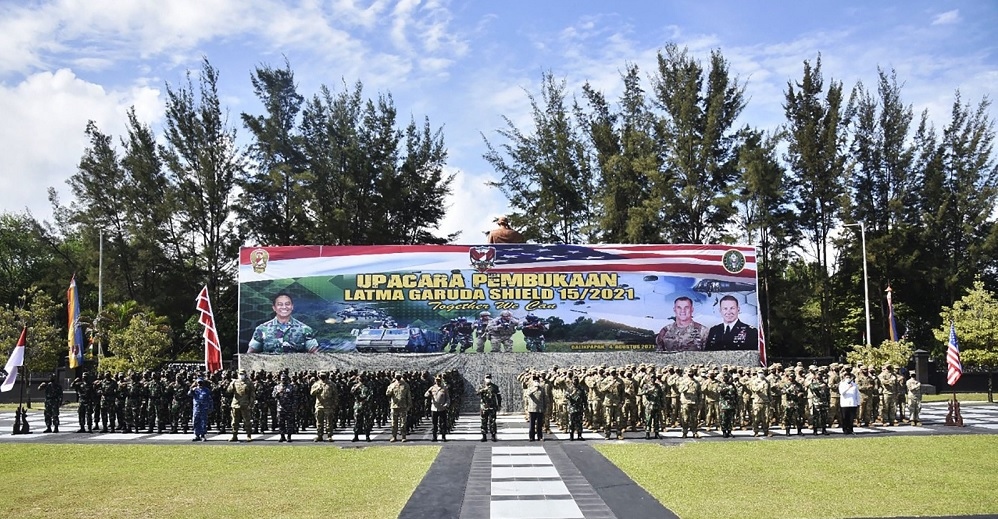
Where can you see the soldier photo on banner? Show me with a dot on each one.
(496, 298)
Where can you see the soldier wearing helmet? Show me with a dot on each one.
(481, 326)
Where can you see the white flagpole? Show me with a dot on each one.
(100, 289)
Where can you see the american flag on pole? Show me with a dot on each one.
(953, 357)
(212, 350)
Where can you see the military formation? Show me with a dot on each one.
(255, 402)
(614, 399)
(460, 334)
(610, 400)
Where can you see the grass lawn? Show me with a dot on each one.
(962, 397)
(821, 478)
(209, 480)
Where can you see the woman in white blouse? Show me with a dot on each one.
(848, 402)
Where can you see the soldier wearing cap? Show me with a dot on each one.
(888, 395)
(866, 391)
(914, 390)
(612, 390)
(243, 397)
(689, 398)
(326, 396)
(503, 233)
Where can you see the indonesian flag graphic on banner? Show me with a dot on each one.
(212, 350)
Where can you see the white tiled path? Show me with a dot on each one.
(526, 484)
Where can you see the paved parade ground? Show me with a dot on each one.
(512, 478)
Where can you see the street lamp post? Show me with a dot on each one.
(866, 280)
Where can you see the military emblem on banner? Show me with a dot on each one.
(259, 259)
(482, 258)
(733, 261)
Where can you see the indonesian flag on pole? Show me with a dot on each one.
(953, 357)
(16, 361)
(212, 350)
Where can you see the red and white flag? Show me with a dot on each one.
(953, 357)
(212, 350)
(16, 361)
(762, 345)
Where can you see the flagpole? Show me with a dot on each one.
(100, 291)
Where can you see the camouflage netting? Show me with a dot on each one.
(503, 367)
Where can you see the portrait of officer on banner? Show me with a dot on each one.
(283, 333)
(684, 334)
(731, 333)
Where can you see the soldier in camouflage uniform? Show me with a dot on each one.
(326, 395)
(672, 407)
(866, 391)
(711, 393)
(363, 421)
(888, 395)
(728, 398)
(794, 396)
(135, 393)
(119, 401)
(180, 405)
(491, 403)
(85, 394)
(914, 390)
(481, 326)
(652, 397)
(533, 332)
(761, 399)
(159, 404)
(53, 401)
(575, 399)
(612, 390)
(501, 330)
(833, 403)
(243, 394)
(820, 396)
(400, 399)
(629, 413)
(284, 395)
(689, 400)
(107, 392)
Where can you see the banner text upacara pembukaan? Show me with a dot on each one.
(574, 286)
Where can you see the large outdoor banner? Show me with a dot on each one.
(495, 298)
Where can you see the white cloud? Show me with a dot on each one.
(472, 207)
(42, 138)
(947, 18)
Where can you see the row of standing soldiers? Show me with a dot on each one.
(257, 401)
(613, 400)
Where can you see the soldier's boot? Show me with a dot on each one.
(367, 437)
(282, 440)
(494, 437)
(788, 430)
(393, 440)
(799, 432)
(356, 438)
(571, 436)
(824, 431)
(484, 438)
(289, 437)
(249, 438)
(234, 438)
(55, 428)
(647, 435)
(318, 438)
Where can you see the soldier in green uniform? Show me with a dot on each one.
(135, 393)
(363, 419)
(727, 396)
(819, 403)
(710, 388)
(107, 392)
(53, 401)
(575, 399)
(652, 397)
(85, 395)
(284, 394)
(794, 395)
(689, 400)
(491, 402)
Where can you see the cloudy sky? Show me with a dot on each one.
(463, 64)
